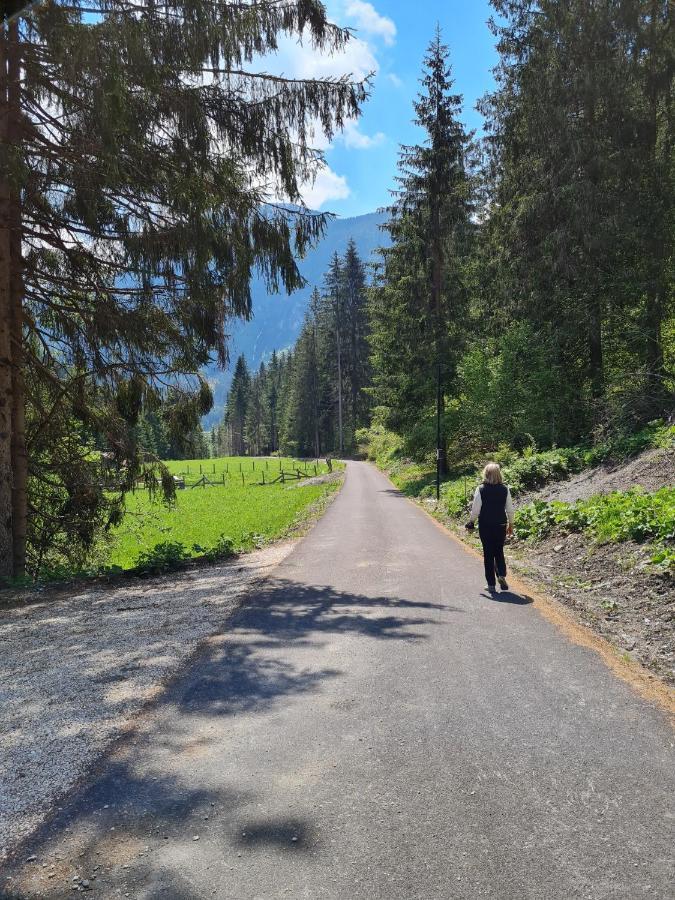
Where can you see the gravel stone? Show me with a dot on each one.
(77, 665)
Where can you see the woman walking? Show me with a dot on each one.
(493, 507)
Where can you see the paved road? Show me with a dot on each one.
(373, 725)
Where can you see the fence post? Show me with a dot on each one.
(242, 480)
(315, 472)
(223, 478)
(263, 474)
(214, 468)
(200, 469)
(254, 465)
(283, 477)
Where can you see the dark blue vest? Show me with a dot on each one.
(493, 504)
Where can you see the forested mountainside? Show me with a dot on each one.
(277, 318)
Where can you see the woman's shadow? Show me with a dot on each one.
(507, 597)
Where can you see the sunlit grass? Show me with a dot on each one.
(241, 509)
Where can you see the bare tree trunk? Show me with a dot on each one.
(6, 385)
(656, 289)
(19, 454)
(437, 263)
(595, 353)
(341, 442)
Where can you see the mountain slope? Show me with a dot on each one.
(277, 318)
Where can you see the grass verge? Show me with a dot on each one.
(215, 520)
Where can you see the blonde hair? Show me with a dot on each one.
(492, 474)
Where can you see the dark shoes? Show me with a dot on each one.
(492, 588)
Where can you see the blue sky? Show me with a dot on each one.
(392, 36)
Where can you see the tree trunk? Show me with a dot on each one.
(654, 350)
(6, 386)
(595, 360)
(19, 454)
(437, 263)
(338, 337)
(656, 287)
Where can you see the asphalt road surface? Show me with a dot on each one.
(374, 725)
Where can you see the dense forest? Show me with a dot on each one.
(527, 290)
(530, 274)
(310, 400)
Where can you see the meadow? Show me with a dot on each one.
(235, 506)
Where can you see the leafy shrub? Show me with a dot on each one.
(621, 516)
(163, 557)
(620, 446)
(377, 443)
(664, 559)
(535, 521)
(632, 515)
(534, 470)
(222, 549)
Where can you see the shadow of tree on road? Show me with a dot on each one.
(278, 833)
(145, 793)
(250, 670)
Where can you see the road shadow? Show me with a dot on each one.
(104, 831)
(251, 670)
(280, 834)
(144, 792)
(508, 597)
(394, 492)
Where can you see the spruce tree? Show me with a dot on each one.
(302, 433)
(130, 220)
(274, 377)
(237, 406)
(255, 413)
(419, 297)
(357, 359)
(334, 296)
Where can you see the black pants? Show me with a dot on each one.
(492, 538)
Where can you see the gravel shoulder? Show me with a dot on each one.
(76, 668)
(613, 591)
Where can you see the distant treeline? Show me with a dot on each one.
(312, 399)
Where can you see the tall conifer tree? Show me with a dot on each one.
(419, 298)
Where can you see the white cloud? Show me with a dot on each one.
(395, 80)
(300, 59)
(326, 186)
(355, 139)
(366, 17)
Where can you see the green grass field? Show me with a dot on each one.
(247, 513)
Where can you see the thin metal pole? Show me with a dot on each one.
(438, 432)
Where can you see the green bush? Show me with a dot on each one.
(163, 557)
(534, 470)
(536, 520)
(222, 549)
(621, 516)
(664, 559)
(621, 446)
